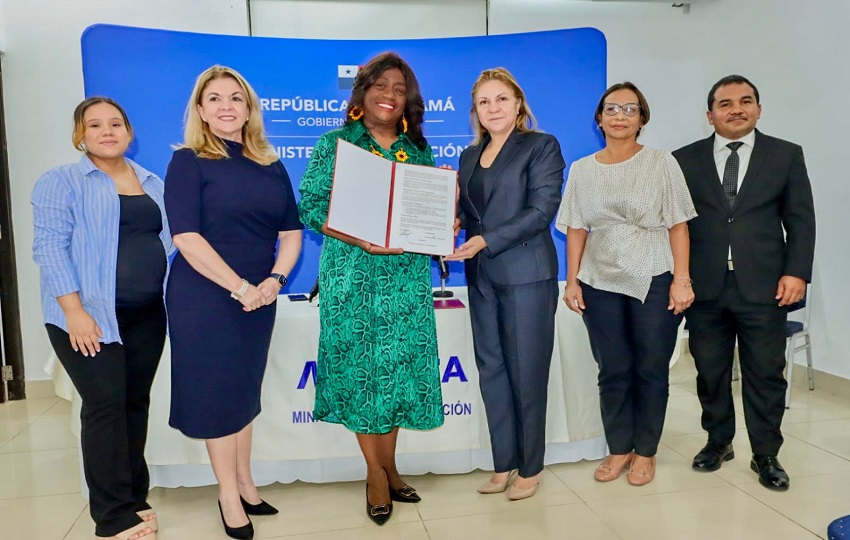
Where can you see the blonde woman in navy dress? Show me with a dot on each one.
(229, 200)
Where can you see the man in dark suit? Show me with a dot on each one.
(752, 246)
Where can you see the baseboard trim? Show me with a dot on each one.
(824, 382)
(40, 389)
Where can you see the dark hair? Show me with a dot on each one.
(79, 132)
(414, 108)
(731, 79)
(625, 85)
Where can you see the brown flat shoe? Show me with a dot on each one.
(612, 467)
(642, 471)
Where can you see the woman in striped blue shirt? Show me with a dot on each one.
(101, 242)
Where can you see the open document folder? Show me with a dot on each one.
(390, 204)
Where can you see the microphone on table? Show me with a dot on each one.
(444, 274)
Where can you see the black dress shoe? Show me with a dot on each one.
(712, 456)
(407, 494)
(771, 474)
(379, 513)
(245, 532)
(261, 509)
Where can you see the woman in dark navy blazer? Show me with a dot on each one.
(510, 188)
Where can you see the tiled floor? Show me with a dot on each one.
(40, 489)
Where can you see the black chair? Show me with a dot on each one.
(795, 331)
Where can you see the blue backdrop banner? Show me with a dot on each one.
(304, 85)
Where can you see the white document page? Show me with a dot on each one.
(423, 209)
(360, 197)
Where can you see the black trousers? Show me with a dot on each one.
(513, 330)
(714, 326)
(115, 389)
(632, 343)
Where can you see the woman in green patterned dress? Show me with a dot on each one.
(377, 367)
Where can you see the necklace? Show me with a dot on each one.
(400, 155)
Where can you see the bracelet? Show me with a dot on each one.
(689, 283)
(242, 290)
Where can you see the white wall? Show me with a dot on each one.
(368, 19)
(2, 31)
(42, 76)
(791, 49)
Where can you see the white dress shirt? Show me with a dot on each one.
(722, 153)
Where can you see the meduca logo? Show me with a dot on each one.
(454, 369)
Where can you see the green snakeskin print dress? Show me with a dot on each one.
(377, 367)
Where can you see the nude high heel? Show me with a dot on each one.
(496, 487)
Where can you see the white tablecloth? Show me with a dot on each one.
(288, 446)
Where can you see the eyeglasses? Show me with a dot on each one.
(629, 109)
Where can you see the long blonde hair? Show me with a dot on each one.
(197, 134)
(525, 121)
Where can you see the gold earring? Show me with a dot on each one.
(355, 113)
(403, 123)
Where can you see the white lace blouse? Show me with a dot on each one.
(627, 208)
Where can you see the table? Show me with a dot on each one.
(289, 446)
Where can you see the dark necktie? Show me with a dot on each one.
(730, 173)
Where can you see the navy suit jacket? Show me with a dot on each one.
(521, 202)
(770, 228)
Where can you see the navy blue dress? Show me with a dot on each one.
(218, 351)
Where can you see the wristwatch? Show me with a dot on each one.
(281, 279)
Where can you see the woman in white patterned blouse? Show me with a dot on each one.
(625, 212)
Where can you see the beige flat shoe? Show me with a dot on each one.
(612, 467)
(152, 522)
(642, 471)
(518, 493)
(496, 487)
(126, 534)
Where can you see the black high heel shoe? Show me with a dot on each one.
(407, 494)
(261, 509)
(245, 532)
(379, 513)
